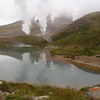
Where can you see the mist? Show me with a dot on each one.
(44, 11)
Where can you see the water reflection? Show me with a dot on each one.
(42, 71)
(22, 72)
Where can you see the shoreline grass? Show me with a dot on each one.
(24, 91)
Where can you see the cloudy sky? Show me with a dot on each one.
(13, 10)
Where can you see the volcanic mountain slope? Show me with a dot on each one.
(12, 34)
(84, 32)
(16, 28)
(11, 29)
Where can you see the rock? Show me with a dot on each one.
(95, 89)
(41, 98)
(13, 93)
(18, 90)
(50, 93)
(94, 93)
(5, 93)
(98, 56)
(0, 82)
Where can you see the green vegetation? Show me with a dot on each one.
(71, 53)
(82, 25)
(71, 29)
(89, 38)
(23, 91)
(31, 40)
(85, 89)
(79, 44)
(82, 37)
(6, 41)
(96, 18)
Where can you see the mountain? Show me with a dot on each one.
(83, 24)
(12, 34)
(83, 34)
(11, 29)
(16, 28)
(88, 26)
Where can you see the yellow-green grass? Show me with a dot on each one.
(31, 40)
(82, 34)
(79, 43)
(23, 91)
(26, 39)
(82, 25)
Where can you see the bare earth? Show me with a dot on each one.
(90, 60)
(85, 62)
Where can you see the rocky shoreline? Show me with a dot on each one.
(91, 62)
(88, 62)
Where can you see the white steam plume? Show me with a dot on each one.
(24, 15)
(43, 14)
(41, 10)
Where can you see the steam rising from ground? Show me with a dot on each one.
(42, 11)
(25, 15)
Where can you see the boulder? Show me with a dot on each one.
(94, 93)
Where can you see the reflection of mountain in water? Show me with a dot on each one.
(36, 69)
(34, 55)
(18, 52)
(41, 77)
(22, 74)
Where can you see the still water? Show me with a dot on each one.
(31, 66)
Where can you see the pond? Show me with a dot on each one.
(31, 66)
